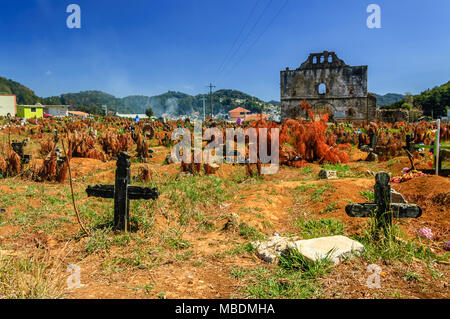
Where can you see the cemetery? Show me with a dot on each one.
(107, 196)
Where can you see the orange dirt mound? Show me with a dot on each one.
(432, 194)
(427, 188)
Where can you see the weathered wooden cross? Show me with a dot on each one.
(383, 209)
(18, 148)
(440, 154)
(122, 193)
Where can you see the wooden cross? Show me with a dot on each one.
(122, 193)
(18, 148)
(383, 209)
(442, 150)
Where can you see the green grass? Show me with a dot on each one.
(293, 260)
(263, 283)
(316, 196)
(192, 195)
(388, 245)
(411, 276)
(294, 278)
(318, 228)
(249, 232)
(303, 188)
(206, 226)
(369, 196)
(99, 241)
(331, 207)
(306, 170)
(336, 167)
(184, 256)
(241, 249)
(173, 238)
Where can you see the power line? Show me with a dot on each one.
(259, 37)
(238, 37)
(250, 32)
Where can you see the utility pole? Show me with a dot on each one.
(204, 109)
(210, 86)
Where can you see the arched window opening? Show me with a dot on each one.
(330, 58)
(322, 59)
(322, 88)
(314, 60)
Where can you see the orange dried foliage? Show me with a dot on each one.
(14, 163)
(113, 143)
(309, 140)
(3, 166)
(144, 174)
(46, 145)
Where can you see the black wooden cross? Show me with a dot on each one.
(122, 192)
(18, 148)
(383, 209)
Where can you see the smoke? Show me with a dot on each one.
(160, 107)
(172, 106)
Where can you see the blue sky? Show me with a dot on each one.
(149, 47)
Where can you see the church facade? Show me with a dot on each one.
(329, 85)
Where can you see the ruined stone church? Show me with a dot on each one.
(329, 85)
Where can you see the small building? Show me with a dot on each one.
(79, 114)
(132, 116)
(57, 110)
(238, 113)
(30, 111)
(257, 117)
(8, 104)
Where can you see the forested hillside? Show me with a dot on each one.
(175, 103)
(24, 95)
(432, 102)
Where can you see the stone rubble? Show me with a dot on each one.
(397, 197)
(336, 248)
(327, 174)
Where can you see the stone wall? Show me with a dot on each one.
(329, 85)
(392, 116)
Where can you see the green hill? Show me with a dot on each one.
(24, 95)
(176, 103)
(388, 99)
(432, 102)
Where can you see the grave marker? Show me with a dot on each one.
(18, 148)
(440, 152)
(383, 209)
(122, 193)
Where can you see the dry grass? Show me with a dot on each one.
(32, 277)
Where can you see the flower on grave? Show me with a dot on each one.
(447, 245)
(426, 233)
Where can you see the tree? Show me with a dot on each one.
(149, 112)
